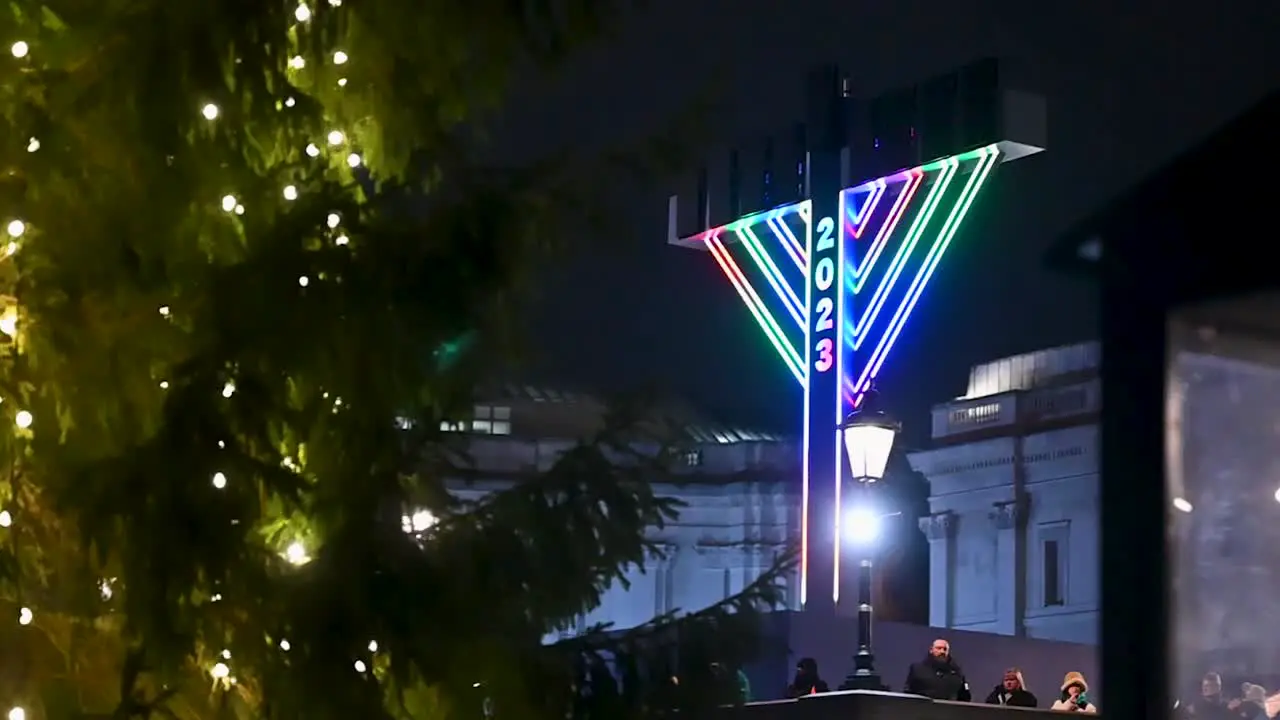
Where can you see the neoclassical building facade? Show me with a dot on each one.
(738, 486)
(1013, 478)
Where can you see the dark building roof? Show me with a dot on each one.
(1203, 214)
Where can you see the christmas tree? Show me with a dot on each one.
(248, 274)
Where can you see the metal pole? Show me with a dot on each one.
(864, 675)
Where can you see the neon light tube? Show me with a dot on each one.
(917, 228)
(940, 244)
(753, 302)
(788, 241)
(771, 272)
(856, 223)
(861, 271)
(839, 418)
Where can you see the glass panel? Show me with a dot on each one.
(1222, 423)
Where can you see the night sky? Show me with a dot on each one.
(1129, 85)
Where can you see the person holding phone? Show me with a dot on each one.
(1075, 695)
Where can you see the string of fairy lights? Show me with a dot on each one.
(416, 524)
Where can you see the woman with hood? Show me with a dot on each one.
(1012, 691)
(1075, 695)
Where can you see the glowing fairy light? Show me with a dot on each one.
(23, 419)
(25, 616)
(373, 646)
(303, 281)
(219, 480)
(6, 519)
(209, 111)
(302, 13)
(360, 666)
(333, 220)
(16, 228)
(164, 311)
(354, 160)
(228, 389)
(339, 58)
(296, 554)
(341, 240)
(290, 192)
(284, 645)
(9, 321)
(33, 145)
(17, 713)
(290, 102)
(336, 137)
(220, 671)
(297, 62)
(229, 203)
(312, 150)
(19, 49)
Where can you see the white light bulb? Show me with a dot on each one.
(104, 588)
(333, 220)
(226, 654)
(284, 645)
(33, 145)
(1182, 504)
(164, 384)
(290, 192)
(164, 311)
(312, 150)
(23, 419)
(219, 480)
(373, 646)
(342, 240)
(9, 322)
(339, 58)
(342, 82)
(422, 520)
(302, 13)
(5, 518)
(335, 3)
(10, 249)
(209, 111)
(303, 281)
(229, 203)
(289, 101)
(336, 137)
(17, 713)
(20, 49)
(239, 209)
(16, 228)
(296, 554)
(360, 666)
(220, 671)
(354, 160)
(297, 62)
(228, 390)
(25, 616)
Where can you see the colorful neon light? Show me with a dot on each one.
(913, 179)
(753, 302)
(890, 278)
(988, 158)
(789, 241)
(760, 256)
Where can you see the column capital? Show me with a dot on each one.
(1008, 514)
(939, 526)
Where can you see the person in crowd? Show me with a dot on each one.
(807, 681)
(1075, 695)
(731, 685)
(1012, 691)
(1253, 706)
(1211, 705)
(938, 676)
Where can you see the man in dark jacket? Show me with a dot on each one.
(1011, 691)
(938, 676)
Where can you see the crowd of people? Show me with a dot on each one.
(1252, 702)
(940, 677)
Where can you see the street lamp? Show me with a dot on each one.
(868, 434)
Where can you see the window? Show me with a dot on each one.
(491, 420)
(693, 458)
(1053, 564)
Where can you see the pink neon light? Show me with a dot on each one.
(856, 225)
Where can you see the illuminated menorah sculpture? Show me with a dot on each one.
(831, 264)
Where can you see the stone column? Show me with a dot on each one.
(1009, 520)
(941, 531)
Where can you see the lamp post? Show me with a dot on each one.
(868, 434)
